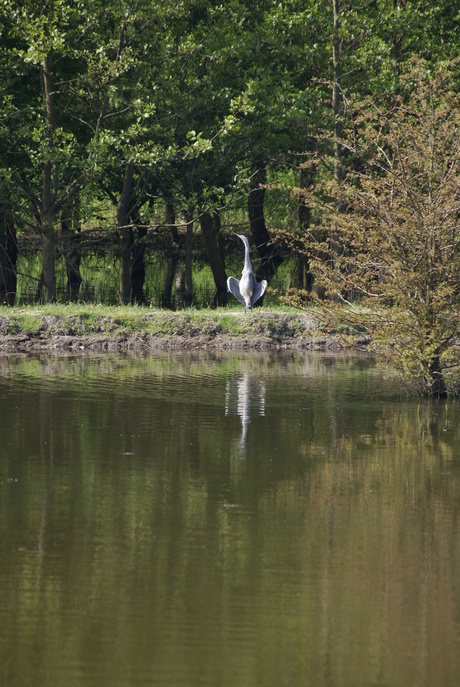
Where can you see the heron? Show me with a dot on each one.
(247, 290)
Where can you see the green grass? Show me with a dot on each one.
(29, 324)
(87, 320)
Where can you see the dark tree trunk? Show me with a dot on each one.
(270, 259)
(47, 210)
(188, 259)
(126, 244)
(8, 259)
(47, 285)
(184, 282)
(437, 381)
(138, 268)
(166, 300)
(126, 234)
(171, 266)
(210, 228)
(336, 92)
(302, 278)
(171, 219)
(72, 256)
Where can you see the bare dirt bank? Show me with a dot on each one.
(152, 343)
(77, 329)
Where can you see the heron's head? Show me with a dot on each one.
(244, 240)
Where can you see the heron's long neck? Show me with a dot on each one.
(247, 262)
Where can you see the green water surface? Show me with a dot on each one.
(225, 521)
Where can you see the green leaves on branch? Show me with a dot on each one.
(391, 238)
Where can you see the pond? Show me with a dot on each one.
(225, 520)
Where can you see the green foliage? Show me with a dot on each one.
(190, 95)
(395, 246)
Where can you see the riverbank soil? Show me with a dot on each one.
(144, 330)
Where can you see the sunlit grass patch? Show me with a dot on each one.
(105, 320)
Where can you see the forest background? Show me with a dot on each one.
(146, 133)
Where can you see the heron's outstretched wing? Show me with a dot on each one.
(233, 285)
(259, 290)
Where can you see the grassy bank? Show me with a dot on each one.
(114, 327)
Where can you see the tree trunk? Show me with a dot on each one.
(438, 388)
(48, 277)
(188, 259)
(47, 211)
(166, 299)
(271, 260)
(72, 255)
(171, 219)
(336, 92)
(302, 278)
(138, 268)
(215, 257)
(126, 234)
(396, 48)
(8, 258)
(184, 284)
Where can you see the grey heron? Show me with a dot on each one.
(247, 290)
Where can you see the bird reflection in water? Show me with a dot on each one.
(243, 396)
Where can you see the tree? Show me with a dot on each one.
(399, 239)
(8, 255)
(59, 62)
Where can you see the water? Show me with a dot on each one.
(250, 520)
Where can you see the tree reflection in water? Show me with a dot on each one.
(138, 547)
